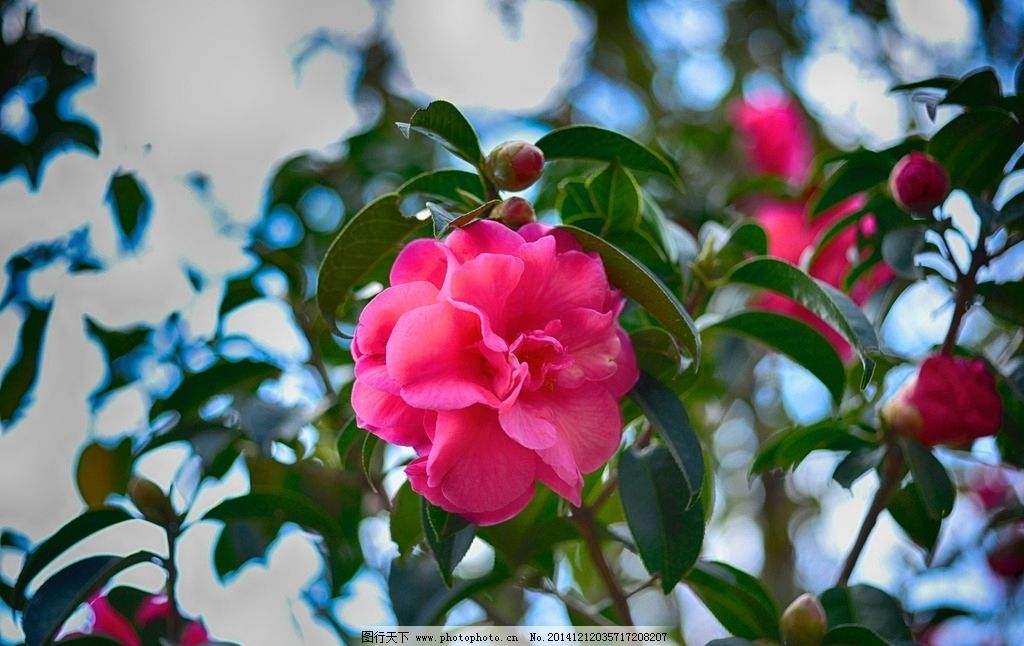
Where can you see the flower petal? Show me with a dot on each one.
(588, 421)
(380, 315)
(626, 372)
(484, 284)
(421, 260)
(590, 339)
(387, 416)
(483, 236)
(417, 473)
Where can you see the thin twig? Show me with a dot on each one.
(584, 518)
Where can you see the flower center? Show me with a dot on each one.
(542, 355)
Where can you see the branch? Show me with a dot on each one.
(174, 620)
(584, 518)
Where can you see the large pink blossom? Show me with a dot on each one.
(775, 136)
(498, 357)
(108, 622)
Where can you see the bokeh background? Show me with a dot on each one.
(255, 128)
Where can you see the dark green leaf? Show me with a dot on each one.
(14, 540)
(366, 458)
(931, 478)
(975, 146)
(21, 374)
(795, 339)
(867, 606)
(240, 542)
(449, 537)
(788, 448)
(908, 509)
(238, 292)
(668, 417)
(131, 206)
(938, 82)
(986, 212)
(196, 389)
(277, 505)
(442, 122)
(591, 142)
(63, 539)
(852, 635)
(448, 183)
(58, 597)
(643, 287)
(1012, 211)
(856, 464)
(979, 88)
(116, 344)
(658, 354)
(748, 237)
(573, 201)
(103, 470)
(667, 529)
(831, 305)
(364, 240)
(739, 601)
(1005, 300)
(900, 247)
(406, 520)
(862, 169)
(350, 432)
(615, 196)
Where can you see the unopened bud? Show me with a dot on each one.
(514, 165)
(151, 501)
(514, 212)
(918, 182)
(804, 622)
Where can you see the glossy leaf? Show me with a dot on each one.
(591, 142)
(197, 388)
(444, 220)
(20, 376)
(240, 542)
(937, 82)
(70, 534)
(574, 201)
(795, 339)
(131, 206)
(442, 122)
(364, 240)
(449, 537)
(788, 448)
(103, 470)
(900, 247)
(867, 606)
(738, 601)
(907, 508)
(348, 436)
(667, 530)
(975, 146)
(861, 170)
(62, 593)
(668, 417)
(642, 286)
(448, 183)
(936, 488)
(116, 344)
(406, 520)
(852, 635)
(366, 458)
(615, 196)
(857, 463)
(831, 305)
(1005, 300)
(979, 88)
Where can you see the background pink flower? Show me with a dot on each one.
(775, 136)
(498, 357)
(108, 622)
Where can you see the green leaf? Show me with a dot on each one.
(573, 201)
(857, 463)
(449, 537)
(58, 597)
(406, 520)
(444, 219)
(364, 240)
(615, 196)
(591, 142)
(852, 635)
(240, 542)
(442, 122)
(130, 203)
(788, 448)
(1012, 211)
(350, 432)
(900, 247)
(668, 417)
(20, 376)
(908, 509)
(937, 82)
(867, 606)
(366, 458)
(737, 600)
(937, 490)
(975, 146)
(667, 529)
(642, 286)
(979, 88)
(861, 170)
(103, 470)
(196, 389)
(1005, 300)
(61, 541)
(448, 183)
(831, 305)
(116, 344)
(795, 339)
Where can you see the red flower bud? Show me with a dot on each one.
(918, 183)
(951, 400)
(514, 165)
(804, 622)
(1007, 556)
(514, 212)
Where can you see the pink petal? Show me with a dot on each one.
(433, 354)
(373, 370)
(570, 491)
(421, 260)
(525, 427)
(194, 634)
(484, 284)
(108, 622)
(483, 236)
(477, 466)
(380, 315)
(626, 372)
(387, 416)
(417, 473)
(588, 420)
(576, 280)
(590, 339)
(563, 239)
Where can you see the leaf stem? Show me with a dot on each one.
(584, 518)
(890, 478)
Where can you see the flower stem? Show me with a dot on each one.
(174, 620)
(584, 518)
(965, 285)
(890, 478)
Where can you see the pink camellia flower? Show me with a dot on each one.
(776, 138)
(951, 400)
(108, 622)
(918, 182)
(498, 357)
(159, 607)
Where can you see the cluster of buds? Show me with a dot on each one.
(514, 166)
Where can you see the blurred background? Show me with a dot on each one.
(244, 133)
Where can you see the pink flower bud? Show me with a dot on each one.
(803, 622)
(514, 165)
(514, 212)
(951, 400)
(918, 183)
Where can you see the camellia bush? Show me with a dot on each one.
(554, 365)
